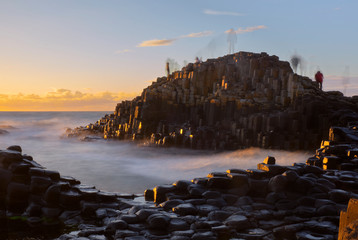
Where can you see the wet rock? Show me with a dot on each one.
(196, 190)
(278, 183)
(184, 233)
(177, 224)
(137, 227)
(303, 184)
(182, 185)
(290, 175)
(269, 160)
(203, 236)
(205, 209)
(211, 194)
(274, 197)
(15, 148)
(238, 179)
(238, 222)
(129, 218)
(149, 195)
(217, 202)
(51, 212)
(287, 231)
(70, 200)
(124, 233)
(245, 200)
(135, 238)
(91, 231)
(219, 182)
(39, 184)
(258, 188)
(161, 191)
(185, 209)
(179, 238)
(143, 214)
(167, 205)
(115, 225)
(158, 221)
(339, 196)
(305, 212)
(218, 215)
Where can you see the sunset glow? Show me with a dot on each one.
(104, 52)
(63, 100)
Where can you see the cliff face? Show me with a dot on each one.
(239, 100)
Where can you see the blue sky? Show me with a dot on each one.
(85, 48)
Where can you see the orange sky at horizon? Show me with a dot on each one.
(64, 100)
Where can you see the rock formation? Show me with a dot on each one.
(302, 201)
(239, 100)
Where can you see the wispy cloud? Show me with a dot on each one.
(213, 12)
(157, 42)
(167, 42)
(248, 29)
(197, 35)
(63, 100)
(122, 51)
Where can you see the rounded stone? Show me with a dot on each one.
(218, 215)
(291, 175)
(130, 218)
(158, 221)
(16, 148)
(211, 194)
(278, 183)
(167, 205)
(116, 225)
(238, 222)
(185, 209)
(339, 196)
(177, 224)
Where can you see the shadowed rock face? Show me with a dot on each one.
(239, 100)
(302, 201)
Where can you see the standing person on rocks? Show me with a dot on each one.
(168, 70)
(319, 79)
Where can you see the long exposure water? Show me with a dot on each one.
(118, 166)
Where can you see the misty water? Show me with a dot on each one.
(119, 166)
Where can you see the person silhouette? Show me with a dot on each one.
(319, 79)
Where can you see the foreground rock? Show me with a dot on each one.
(239, 100)
(302, 201)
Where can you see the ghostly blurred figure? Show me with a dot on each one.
(295, 61)
(167, 69)
(345, 79)
(231, 39)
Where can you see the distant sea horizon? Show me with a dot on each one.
(118, 166)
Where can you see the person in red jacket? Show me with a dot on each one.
(319, 79)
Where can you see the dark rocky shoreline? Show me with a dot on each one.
(302, 201)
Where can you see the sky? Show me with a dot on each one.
(87, 55)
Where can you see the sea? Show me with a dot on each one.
(119, 166)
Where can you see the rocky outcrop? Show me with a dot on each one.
(348, 225)
(35, 201)
(239, 100)
(301, 201)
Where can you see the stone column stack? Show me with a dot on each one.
(240, 100)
